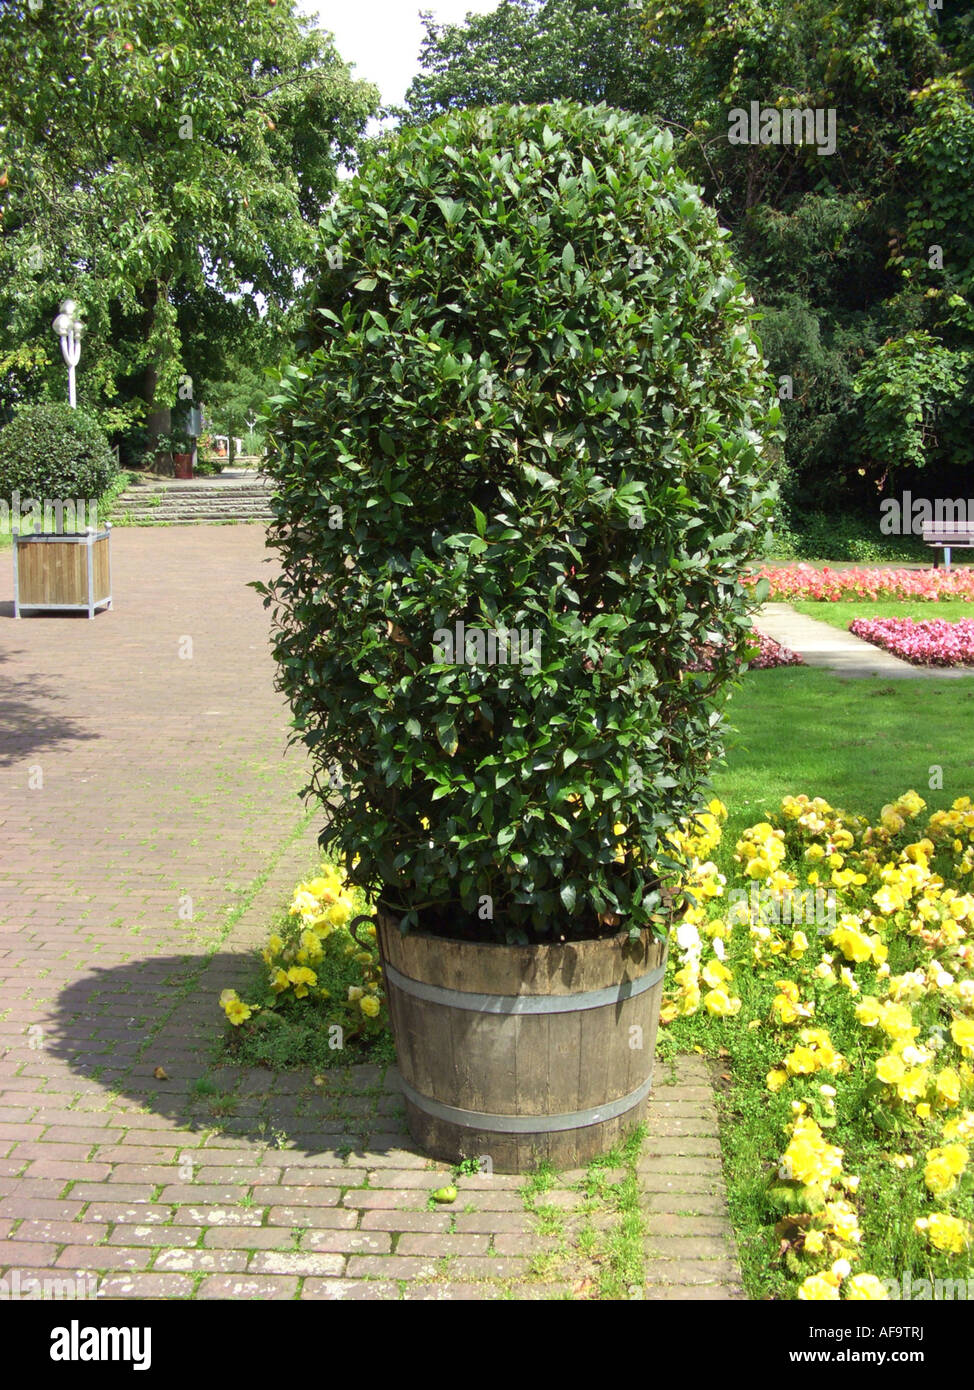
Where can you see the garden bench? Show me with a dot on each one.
(947, 536)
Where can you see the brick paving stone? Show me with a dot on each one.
(258, 1286)
(350, 1289)
(524, 1244)
(127, 1286)
(692, 1203)
(102, 1257)
(681, 1163)
(449, 1293)
(120, 1212)
(690, 1248)
(488, 1267)
(506, 1222)
(687, 1182)
(348, 1242)
(322, 1218)
(367, 1199)
(252, 1286)
(320, 1177)
(60, 1232)
(426, 1179)
(249, 1238)
(668, 1224)
(436, 1221)
(212, 1261)
(299, 1262)
(27, 1254)
(185, 1237)
(689, 1243)
(693, 1292)
(415, 1243)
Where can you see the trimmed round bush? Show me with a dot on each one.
(520, 468)
(52, 451)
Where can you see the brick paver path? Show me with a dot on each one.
(150, 829)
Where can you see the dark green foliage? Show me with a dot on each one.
(535, 403)
(836, 248)
(534, 51)
(51, 451)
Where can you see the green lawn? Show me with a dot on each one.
(858, 743)
(842, 614)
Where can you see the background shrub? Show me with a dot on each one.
(52, 451)
(531, 399)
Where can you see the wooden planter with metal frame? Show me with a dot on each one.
(70, 572)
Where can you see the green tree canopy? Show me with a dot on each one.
(866, 325)
(536, 51)
(165, 163)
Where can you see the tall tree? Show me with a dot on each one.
(871, 338)
(165, 163)
(536, 51)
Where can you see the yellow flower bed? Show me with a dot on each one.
(315, 947)
(899, 889)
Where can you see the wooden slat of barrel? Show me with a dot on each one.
(520, 1064)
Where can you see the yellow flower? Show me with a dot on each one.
(865, 1286)
(715, 974)
(912, 1085)
(776, 1079)
(801, 1061)
(354, 994)
(943, 1167)
(238, 1012)
(717, 1001)
(947, 1233)
(819, 1288)
(369, 1005)
(850, 940)
(279, 981)
(869, 1011)
(814, 1242)
(301, 977)
(227, 997)
(962, 1032)
(273, 948)
(947, 1083)
(311, 945)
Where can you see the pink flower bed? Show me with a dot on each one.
(806, 582)
(771, 654)
(931, 642)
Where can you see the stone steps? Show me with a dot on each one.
(195, 501)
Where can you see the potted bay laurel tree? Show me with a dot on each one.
(519, 469)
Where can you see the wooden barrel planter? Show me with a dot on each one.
(522, 1053)
(63, 571)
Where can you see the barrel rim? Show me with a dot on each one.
(647, 937)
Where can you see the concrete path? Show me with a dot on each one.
(151, 827)
(820, 644)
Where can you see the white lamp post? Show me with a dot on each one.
(69, 328)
